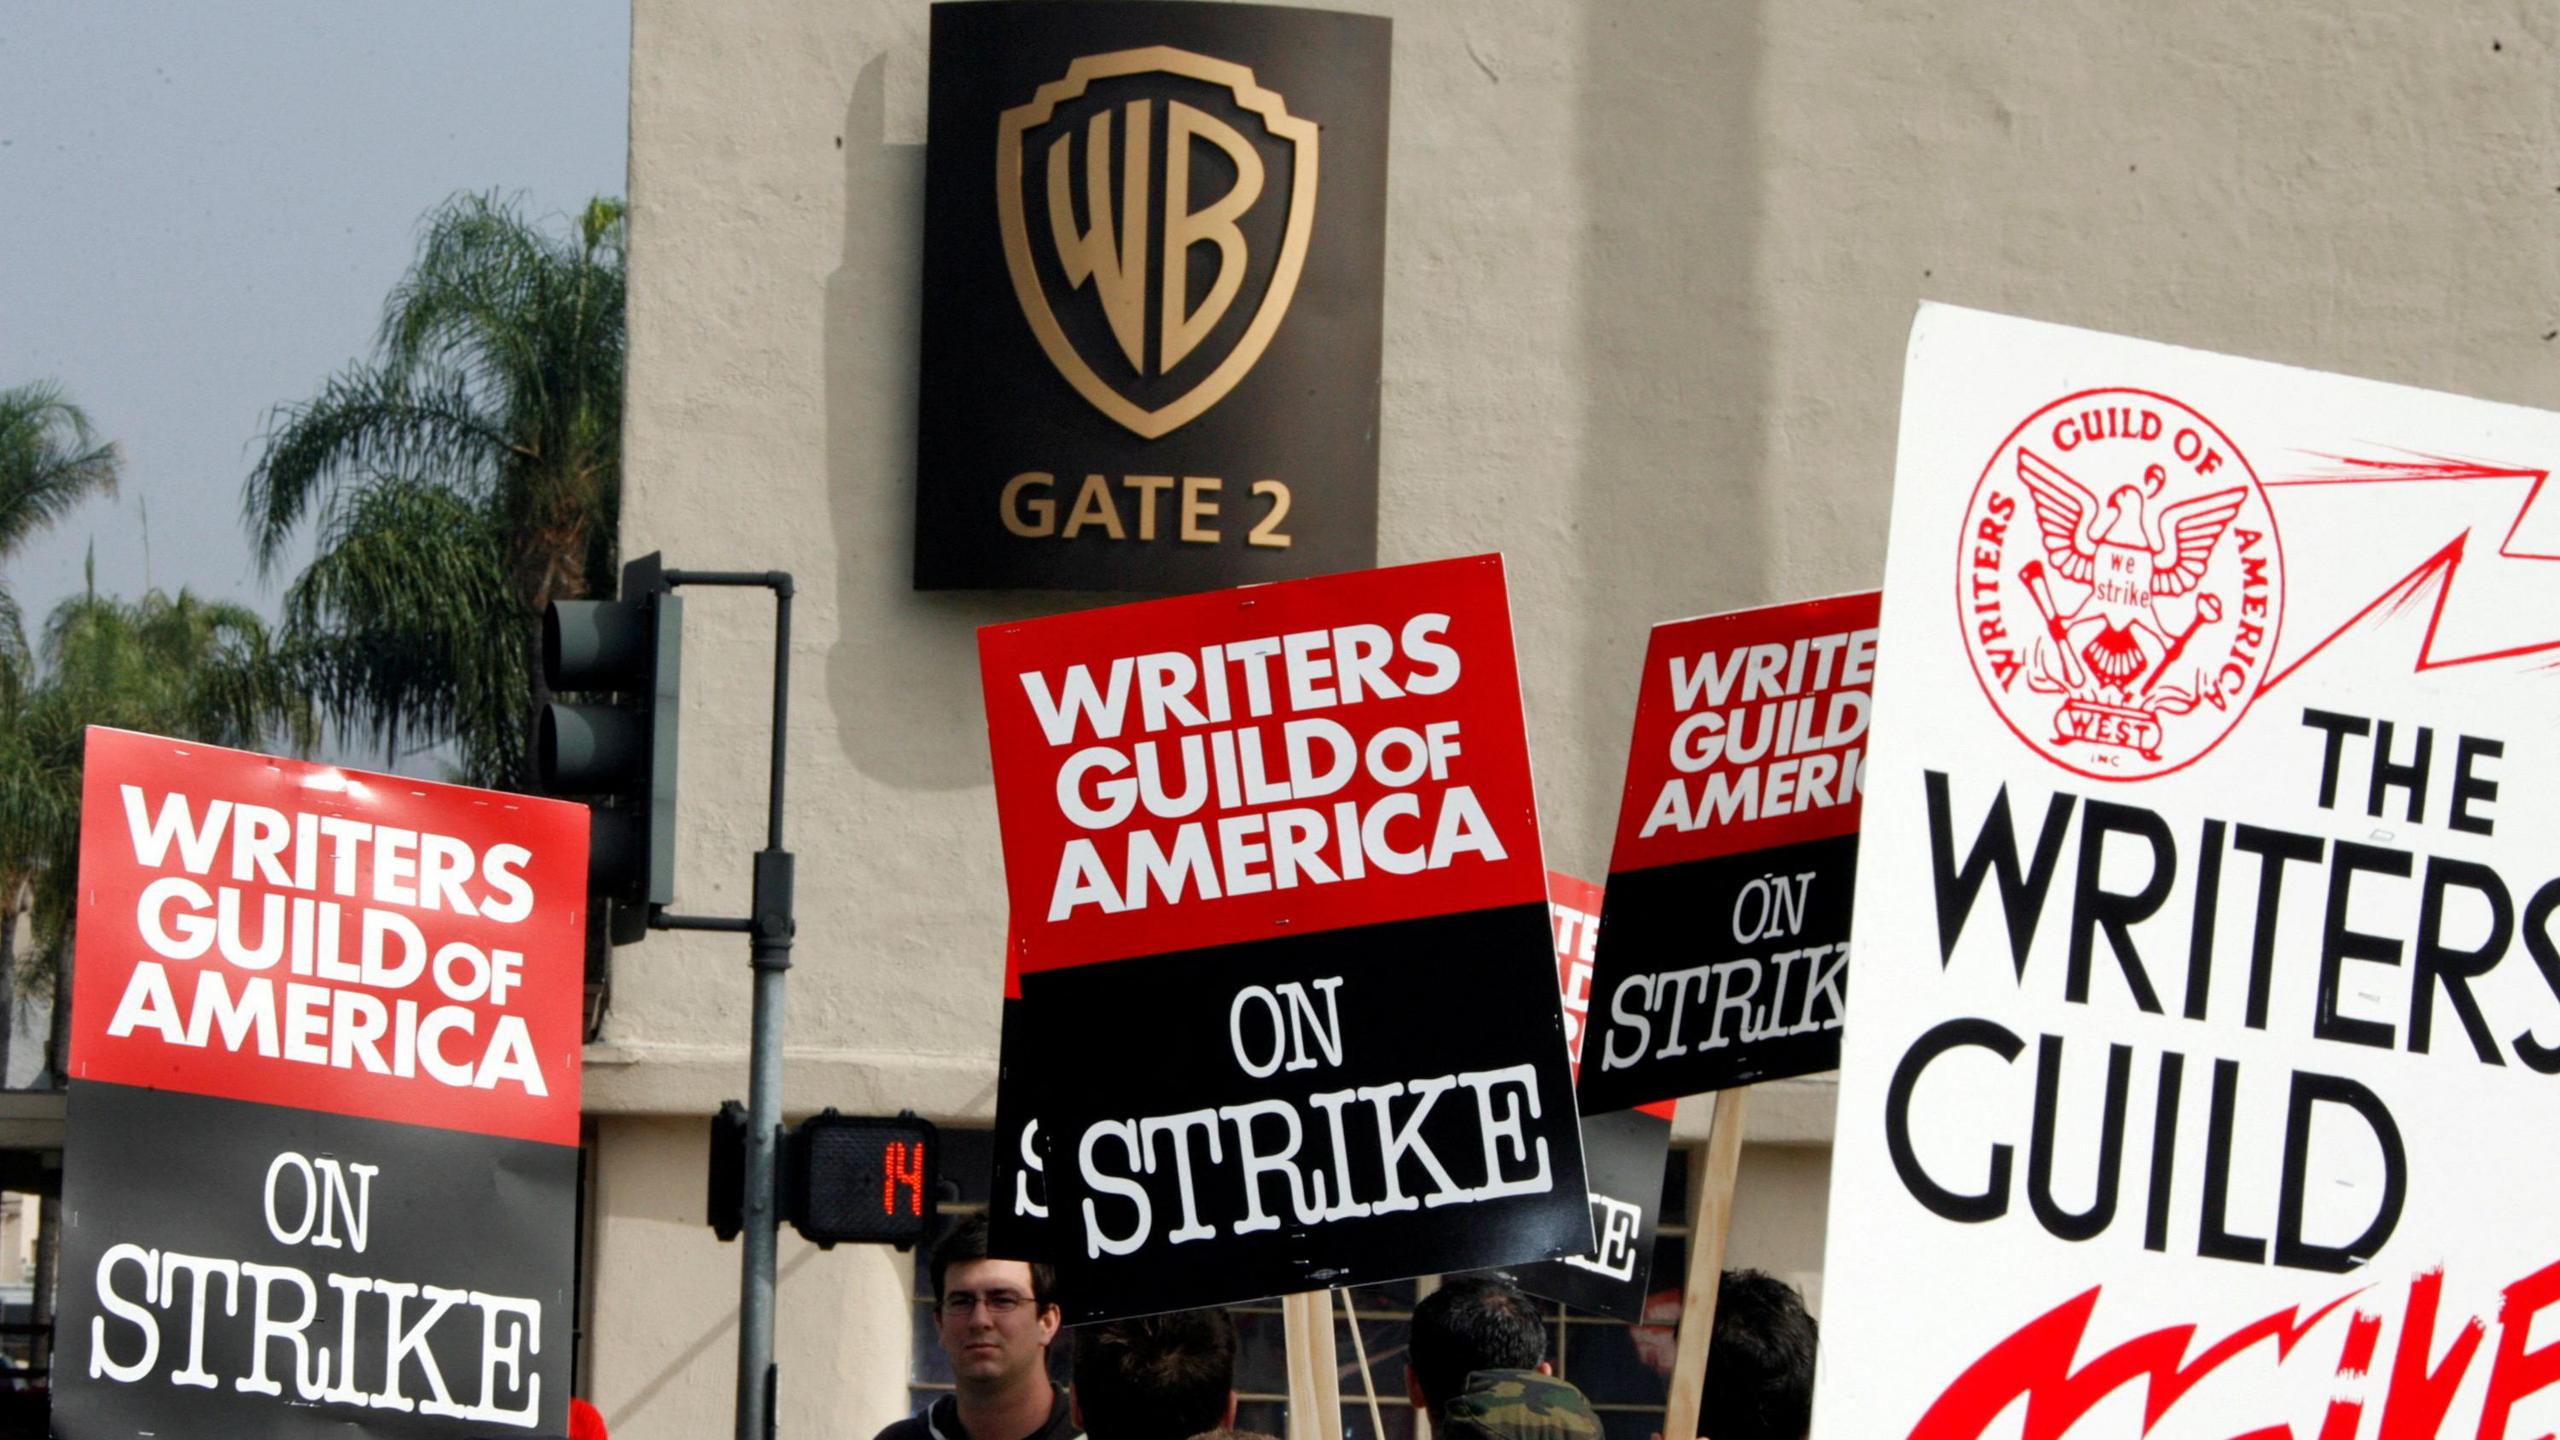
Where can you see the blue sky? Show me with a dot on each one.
(203, 206)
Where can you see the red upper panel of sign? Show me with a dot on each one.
(1262, 762)
(1750, 732)
(293, 934)
(1574, 908)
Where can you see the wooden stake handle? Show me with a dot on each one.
(1315, 1379)
(1711, 1220)
(1368, 1377)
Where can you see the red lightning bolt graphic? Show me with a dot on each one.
(2036, 1363)
(2528, 538)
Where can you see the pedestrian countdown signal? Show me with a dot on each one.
(864, 1179)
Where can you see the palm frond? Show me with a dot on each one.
(366, 419)
(50, 460)
(173, 665)
(403, 629)
(466, 301)
(15, 660)
(464, 478)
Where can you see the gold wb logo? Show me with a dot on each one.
(1126, 234)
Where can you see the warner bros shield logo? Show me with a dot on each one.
(1156, 206)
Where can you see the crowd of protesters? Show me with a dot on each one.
(1477, 1365)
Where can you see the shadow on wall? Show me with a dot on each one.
(1673, 498)
(904, 666)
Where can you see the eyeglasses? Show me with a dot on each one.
(959, 1303)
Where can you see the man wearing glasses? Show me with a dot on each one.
(996, 1319)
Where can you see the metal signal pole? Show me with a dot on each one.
(768, 928)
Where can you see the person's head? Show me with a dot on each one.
(1469, 1324)
(1760, 1363)
(1158, 1377)
(997, 1317)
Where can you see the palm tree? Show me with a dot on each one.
(461, 480)
(184, 667)
(179, 666)
(50, 460)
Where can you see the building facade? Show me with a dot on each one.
(1650, 266)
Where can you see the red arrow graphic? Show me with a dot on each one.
(2503, 591)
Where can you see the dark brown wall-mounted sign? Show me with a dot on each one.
(1154, 259)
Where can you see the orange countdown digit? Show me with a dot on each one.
(900, 1165)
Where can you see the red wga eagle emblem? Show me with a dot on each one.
(2120, 583)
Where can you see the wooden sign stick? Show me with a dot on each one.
(1328, 1370)
(1368, 1377)
(1711, 1212)
(1315, 1384)
(1302, 1383)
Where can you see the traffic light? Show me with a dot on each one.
(724, 1199)
(862, 1178)
(619, 755)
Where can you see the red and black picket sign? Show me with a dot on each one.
(1280, 919)
(1018, 1203)
(1624, 1151)
(1724, 938)
(322, 1161)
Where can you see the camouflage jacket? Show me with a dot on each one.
(1518, 1405)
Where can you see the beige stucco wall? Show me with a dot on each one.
(1650, 267)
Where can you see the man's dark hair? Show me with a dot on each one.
(1470, 1324)
(1760, 1364)
(1158, 1377)
(968, 1241)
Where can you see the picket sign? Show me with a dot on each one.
(1278, 950)
(1711, 1219)
(1724, 928)
(1730, 882)
(2285, 771)
(1624, 1152)
(419, 1115)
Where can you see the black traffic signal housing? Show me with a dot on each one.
(619, 754)
(725, 1198)
(868, 1179)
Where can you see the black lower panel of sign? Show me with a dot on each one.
(1624, 1151)
(1017, 1200)
(195, 1230)
(1413, 1114)
(1717, 973)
